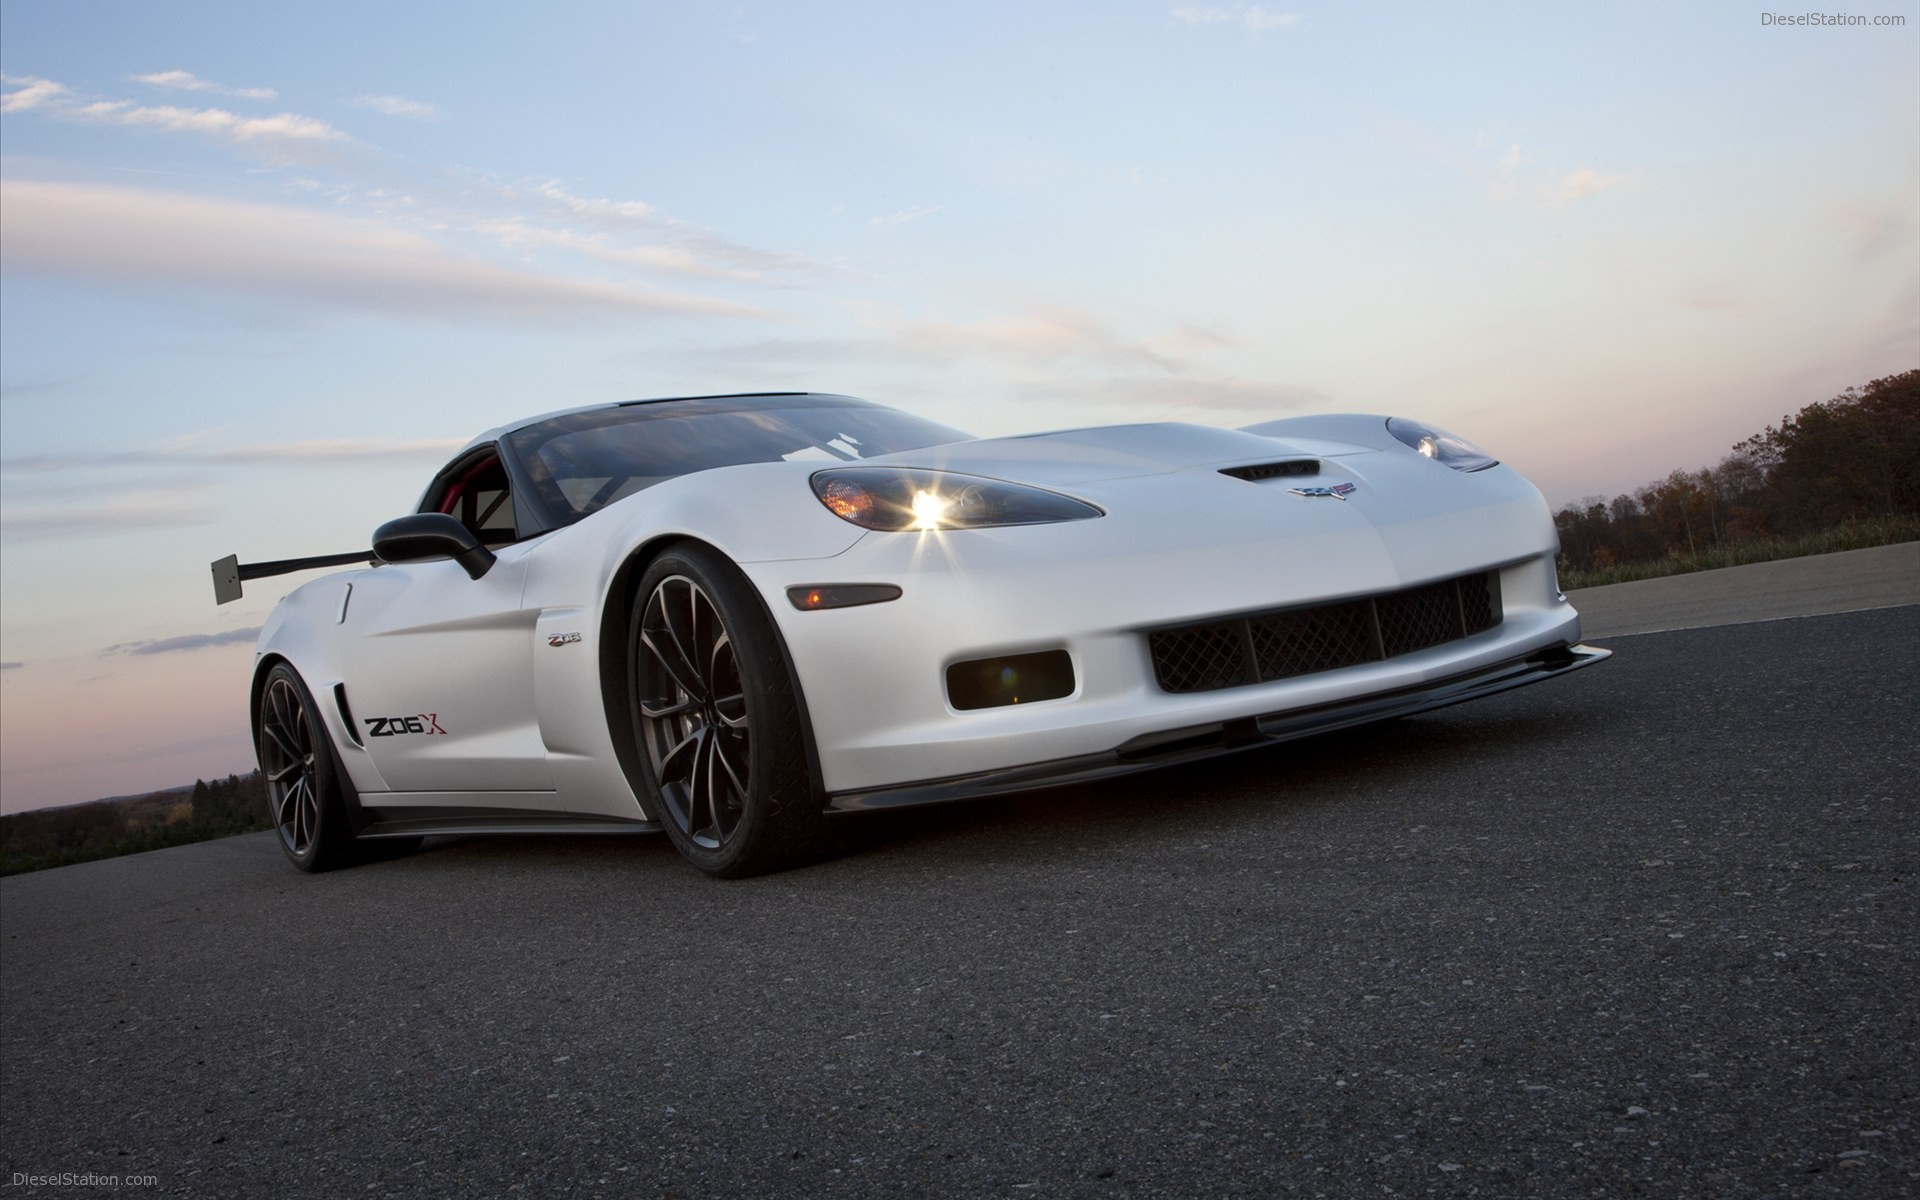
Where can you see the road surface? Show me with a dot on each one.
(1650, 929)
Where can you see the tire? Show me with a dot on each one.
(716, 720)
(302, 777)
(381, 849)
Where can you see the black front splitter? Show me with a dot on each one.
(1177, 746)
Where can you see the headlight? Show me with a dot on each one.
(1441, 446)
(892, 499)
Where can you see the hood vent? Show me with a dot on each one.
(1274, 470)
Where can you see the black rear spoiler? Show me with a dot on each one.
(230, 572)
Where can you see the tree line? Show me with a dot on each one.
(1850, 461)
(55, 837)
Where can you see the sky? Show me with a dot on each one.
(264, 266)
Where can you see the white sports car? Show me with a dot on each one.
(731, 616)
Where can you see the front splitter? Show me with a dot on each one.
(1189, 744)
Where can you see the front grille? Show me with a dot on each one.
(1264, 646)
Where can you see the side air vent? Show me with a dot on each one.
(346, 715)
(1274, 470)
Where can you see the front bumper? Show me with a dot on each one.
(1187, 745)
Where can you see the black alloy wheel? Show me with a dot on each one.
(303, 795)
(716, 719)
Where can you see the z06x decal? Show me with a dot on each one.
(427, 723)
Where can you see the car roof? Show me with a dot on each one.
(500, 431)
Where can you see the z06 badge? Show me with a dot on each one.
(427, 723)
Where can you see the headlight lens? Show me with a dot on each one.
(1441, 446)
(892, 499)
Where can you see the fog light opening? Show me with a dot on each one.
(1010, 679)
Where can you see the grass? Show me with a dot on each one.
(1855, 535)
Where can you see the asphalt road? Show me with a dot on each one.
(1652, 929)
(1850, 581)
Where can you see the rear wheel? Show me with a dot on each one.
(303, 782)
(716, 720)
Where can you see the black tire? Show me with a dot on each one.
(383, 848)
(716, 721)
(303, 784)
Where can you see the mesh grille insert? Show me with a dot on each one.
(1265, 646)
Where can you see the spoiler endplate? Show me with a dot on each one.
(229, 572)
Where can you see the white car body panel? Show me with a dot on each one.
(511, 665)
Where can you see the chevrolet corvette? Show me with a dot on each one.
(732, 617)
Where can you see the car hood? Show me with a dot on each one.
(1076, 456)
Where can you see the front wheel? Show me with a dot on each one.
(717, 721)
(302, 778)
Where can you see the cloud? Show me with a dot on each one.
(282, 131)
(188, 641)
(1873, 227)
(548, 216)
(1584, 184)
(186, 451)
(747, 258)
(215, 122)
(542, 216)
(32, 93)
(75, 494)
(1039, 335)
(1252, 16)
(695, 255)
(187, 81)
(1506, 184)
(1192, 339)
(597, 210)
(399, 106)
(780, 359)
(1040, 338)
(149, 508)
(674, 259)
(11, 666)
(171, 239)
(333, 451)
(1173, 396)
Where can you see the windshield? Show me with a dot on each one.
(579, 463)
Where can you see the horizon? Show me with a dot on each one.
(263, 270)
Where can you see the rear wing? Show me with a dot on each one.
(230, 572)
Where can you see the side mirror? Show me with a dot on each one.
(432, 535)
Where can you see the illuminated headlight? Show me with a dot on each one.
(1441, 446)
(890, 498)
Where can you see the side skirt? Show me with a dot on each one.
(389, 821)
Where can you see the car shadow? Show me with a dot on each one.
(1248, 786)
(1292, 779)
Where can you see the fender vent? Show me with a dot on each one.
(346, 714)
(1274, 470)
(1281, 643)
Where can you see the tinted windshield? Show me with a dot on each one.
(581, 462)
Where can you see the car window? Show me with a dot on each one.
(475, 491)
(579, 463)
